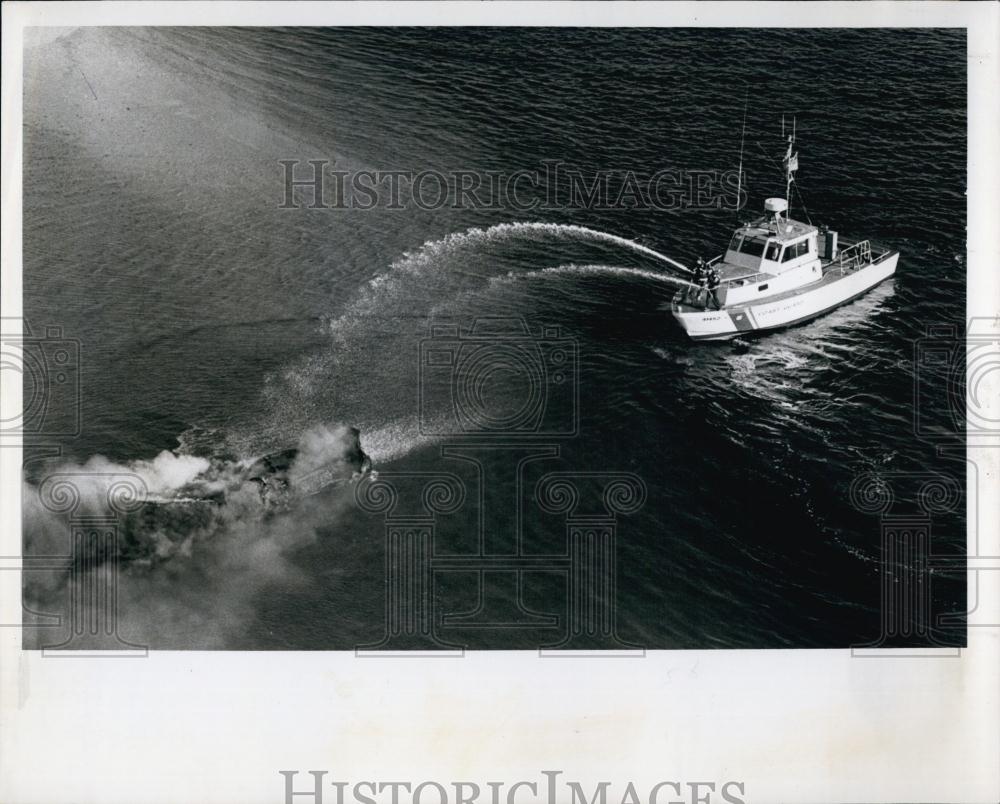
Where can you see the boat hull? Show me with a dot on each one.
(795, 308)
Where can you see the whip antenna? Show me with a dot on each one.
(739, 180)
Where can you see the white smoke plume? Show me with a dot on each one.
(211, 535)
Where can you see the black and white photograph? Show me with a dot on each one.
(464, 327)
(582, 341)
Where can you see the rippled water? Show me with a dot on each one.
(213, 321)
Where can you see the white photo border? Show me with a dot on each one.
(804, 726)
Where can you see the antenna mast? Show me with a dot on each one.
(791, 165)
(739, 180)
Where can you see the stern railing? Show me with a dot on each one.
(855, 256)
(858, 255)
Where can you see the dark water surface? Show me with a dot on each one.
(211, 321)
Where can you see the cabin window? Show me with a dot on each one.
(799, 249)
(773, 250)
(761, 287)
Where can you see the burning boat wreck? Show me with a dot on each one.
(164, 523)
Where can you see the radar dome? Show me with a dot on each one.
(775, 205)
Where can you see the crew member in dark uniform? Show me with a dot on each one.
(713, 279)
(699, 276)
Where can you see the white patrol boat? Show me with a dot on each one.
(778, 272)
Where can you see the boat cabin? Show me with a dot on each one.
(772, 244)
(768, 256)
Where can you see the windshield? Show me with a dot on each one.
(753, 246)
